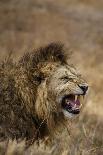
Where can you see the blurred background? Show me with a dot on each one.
(29, 24)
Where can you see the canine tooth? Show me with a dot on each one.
(80, 105)
(76, 96)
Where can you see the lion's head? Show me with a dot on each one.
(63, 91)
(59, 88)
(68, 89)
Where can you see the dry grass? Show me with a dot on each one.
(25, 25)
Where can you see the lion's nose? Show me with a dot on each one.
(84, 88)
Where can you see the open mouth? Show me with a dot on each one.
(71, 103)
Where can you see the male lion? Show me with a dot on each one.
(38, 94)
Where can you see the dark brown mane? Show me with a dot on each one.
(52, 52)
(23, 87)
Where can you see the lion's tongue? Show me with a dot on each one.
(74, 103)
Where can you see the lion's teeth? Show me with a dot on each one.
(74, 106)
(76, 97)
(80, 105)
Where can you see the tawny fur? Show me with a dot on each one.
(18, 92)
(28, 106)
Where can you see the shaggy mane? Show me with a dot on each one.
(24, 105)
(52, 52)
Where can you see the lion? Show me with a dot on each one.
(39, 93)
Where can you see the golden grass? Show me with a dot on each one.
(25, 25)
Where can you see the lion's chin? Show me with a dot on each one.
(67, 114)
(71, 105)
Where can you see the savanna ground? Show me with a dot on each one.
(28, 24)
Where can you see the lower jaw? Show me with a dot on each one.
(70, 114)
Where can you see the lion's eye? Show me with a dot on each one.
(66, 78)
